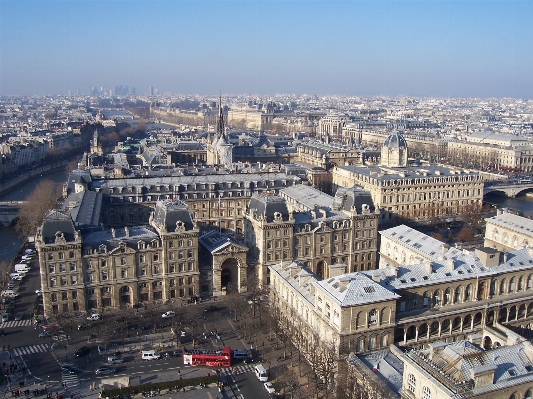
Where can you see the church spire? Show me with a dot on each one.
(220, 120)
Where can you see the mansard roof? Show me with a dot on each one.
(215, 241)
(54, 222)
(168, 213)
(268, 204)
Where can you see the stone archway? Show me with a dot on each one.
(229, 275)
(320, 269)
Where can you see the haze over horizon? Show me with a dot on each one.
(423, 49)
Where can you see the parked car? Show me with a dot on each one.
(18, 316)
(114, 360)
(270, 388)
(39, 292)
(105, 370)
(169, 314)
(81, 351)
(211, 308)
(69, 370)
(45, 334)
(94, 316)
(5, 317)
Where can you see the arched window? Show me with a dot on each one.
(436, 298)
(447, 297)
(529, 394)
(529, 282)
(493, 287)
(512, 285)
(502, 286)
(426, 393)
(468, 293)
(411, 383)
(372, 317)
(457, 295)
(521, 283)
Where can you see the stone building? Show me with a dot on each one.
(424, 292)
(216, 201)
(507, 231)
(418, 193)
(327, 156)
(315, 228)
(111, 268)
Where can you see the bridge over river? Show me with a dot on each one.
(9, 211)
(510, 190)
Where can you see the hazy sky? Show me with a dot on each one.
(417, 48)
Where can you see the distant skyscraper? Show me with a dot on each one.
(151, 90)
(133, 90)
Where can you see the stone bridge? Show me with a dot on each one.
(510, 190)
(9, 211)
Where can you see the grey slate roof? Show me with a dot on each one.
(57, 221)
(168, 213)
(359, 289)
(215, 241)
(513, 222)
(267, 204)
(395, 140)
(128, 235)
(85, 208)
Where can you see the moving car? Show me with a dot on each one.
(18, 316)
(105, 370)
(94, 316)
(39, 291)
(45, 334)
(114, 360)
(169, 314)
(211, 308)
(5, 317)
(68, 370)
(270, 388)
(81, 351)
(50, 329)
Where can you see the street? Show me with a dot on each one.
(39, 360)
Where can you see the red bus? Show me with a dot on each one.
(199, 357)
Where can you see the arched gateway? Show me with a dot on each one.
(228, 259)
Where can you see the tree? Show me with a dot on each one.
(66, 323)
(32, 211)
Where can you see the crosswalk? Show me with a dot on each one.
(241, 368)
(16, 323)
(71, 380)
(30, 350)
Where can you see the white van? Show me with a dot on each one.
(150, 355)
(261, 373)
(22, 268)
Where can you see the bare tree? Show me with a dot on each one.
(32, 211)
(66, 323)
(324, 361)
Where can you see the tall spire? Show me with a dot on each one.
(220, 119)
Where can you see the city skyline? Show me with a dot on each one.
(424, 49)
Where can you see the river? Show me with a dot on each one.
(522, 203)
(10, 242)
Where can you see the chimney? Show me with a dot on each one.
(127, 231)
(444, 248)
(428, 267)
(376, 278)
(483, 375)
(451, 264)
(113, 232)
(436, 348)
(344, 282)
(337, 270)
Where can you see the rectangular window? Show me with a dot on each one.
(74, 294)
(104, 276)
(189, 280)
(62, 267)
(64, 296)
(72, 267)
(52, 269)
(73, 279)
(124, 273)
